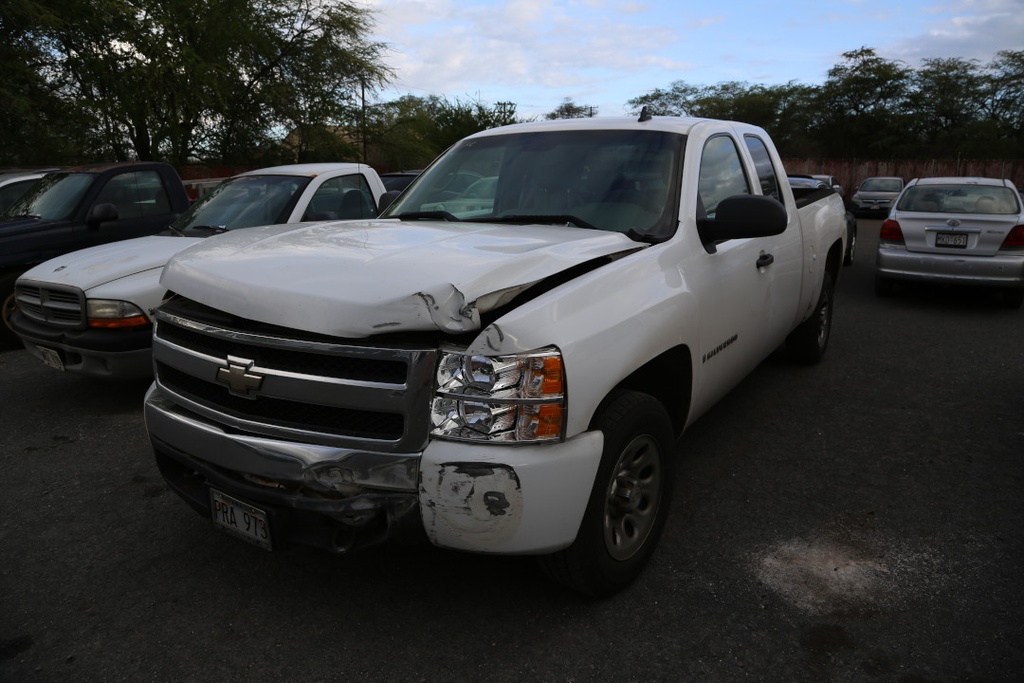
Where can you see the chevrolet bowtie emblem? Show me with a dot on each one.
(238, 377)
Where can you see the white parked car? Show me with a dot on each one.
(89, 311)
(955, 231)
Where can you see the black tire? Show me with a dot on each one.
(8, 339)
(1013, 298)
(883, 286)
(628, 503)
(807, 343)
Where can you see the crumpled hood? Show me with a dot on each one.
(94, 266)
(359, 278)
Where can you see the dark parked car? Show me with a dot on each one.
(875, 196)
(81, 207)
(398, 180)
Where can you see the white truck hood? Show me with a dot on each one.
(355, 279)
(99, 265)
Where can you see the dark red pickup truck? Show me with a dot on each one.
(81, 207)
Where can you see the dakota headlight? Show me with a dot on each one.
(515, 399)
(110, 313)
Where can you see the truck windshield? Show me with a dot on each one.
(243, 202)
(53, 198)
(614, 180)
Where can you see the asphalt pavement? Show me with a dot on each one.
(860, 520)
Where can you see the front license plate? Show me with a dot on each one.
(50, 357)
(956, 240)
(240, 519)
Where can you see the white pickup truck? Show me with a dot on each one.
(89, 312)
(502, 362)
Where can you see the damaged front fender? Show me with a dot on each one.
(471, 503)
(507, 499)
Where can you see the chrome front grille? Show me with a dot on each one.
(345, 393)
(52, 304)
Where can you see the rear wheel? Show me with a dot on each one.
(851, 247)
(629, 502)
(807, 343)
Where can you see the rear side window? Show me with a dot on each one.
(766, 175)
(343, 198)
(721, 174)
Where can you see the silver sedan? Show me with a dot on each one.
(966, 231)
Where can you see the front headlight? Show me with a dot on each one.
(108, 313)
(518, 399)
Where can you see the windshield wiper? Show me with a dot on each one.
(542, 219)
(10, 217)
(212, 229)
(428, 216)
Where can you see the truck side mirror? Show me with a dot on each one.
(744, 215)
(100, 213)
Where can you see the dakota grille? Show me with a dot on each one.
(59, 306)
(349, 393)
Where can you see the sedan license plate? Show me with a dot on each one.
(240, 519)
(50, 357)
(956, 240)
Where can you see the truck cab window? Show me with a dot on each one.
(766, 174)
(721, 174)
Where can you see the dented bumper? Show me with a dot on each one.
(474, 497)
(507, 499)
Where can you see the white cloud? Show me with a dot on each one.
(603, 52)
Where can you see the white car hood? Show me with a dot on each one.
(99, 265)
(359, 278)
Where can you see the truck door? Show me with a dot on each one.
(143, 208)
(782, 300)
(734, 284)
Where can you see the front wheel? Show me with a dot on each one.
(807, 343)
(628, 503)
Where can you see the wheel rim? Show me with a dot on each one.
(633, 497)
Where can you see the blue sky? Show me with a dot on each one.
(603, 53)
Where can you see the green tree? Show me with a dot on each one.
(35, 119)
(182, 80)
(946, 100)
(1004, 103)
(568, 109)
(411, 131)
(864, 108)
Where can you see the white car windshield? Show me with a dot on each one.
(243, 202)
(615, 180)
